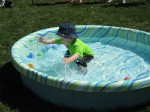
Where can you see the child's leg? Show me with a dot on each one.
(84, 60)
(124, 1)
(83, 69)
(87, 58)
(80, 1)
(82, 63)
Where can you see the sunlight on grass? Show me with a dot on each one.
(5, 108)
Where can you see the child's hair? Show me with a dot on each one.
(67, 30)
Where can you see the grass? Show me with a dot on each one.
(25, 18)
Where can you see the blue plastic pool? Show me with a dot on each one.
(119, 75)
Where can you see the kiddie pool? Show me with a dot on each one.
(83, 94)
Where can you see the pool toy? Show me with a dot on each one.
(31, 55)
(31, 66)
(126, 78)
(39, 54)
(96, 95)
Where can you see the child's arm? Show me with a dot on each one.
(70, 59)
(44, 41)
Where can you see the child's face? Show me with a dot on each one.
(65, 40)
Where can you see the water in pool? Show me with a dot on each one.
(115, 59)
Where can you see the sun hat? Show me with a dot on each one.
(67, 30)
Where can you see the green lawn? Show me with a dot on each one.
(25, 18)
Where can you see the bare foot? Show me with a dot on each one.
(109, 1)
(124, 1)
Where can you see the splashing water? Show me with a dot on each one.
(112, 61)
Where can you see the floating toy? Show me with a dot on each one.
(126, 78)
(31, 55)
(39, 54)
(31, 66)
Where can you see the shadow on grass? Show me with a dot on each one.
(47, 4)
(124, 5)
(104, 2)
(17, 96)
(60, 3)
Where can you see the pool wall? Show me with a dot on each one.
(99, 101)
(83, 94)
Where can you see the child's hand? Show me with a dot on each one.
(70, 59)
(41, 39)
(66, 60)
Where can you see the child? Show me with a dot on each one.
(80, 1)
(77, 50)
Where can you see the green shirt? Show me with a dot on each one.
(77, 47)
